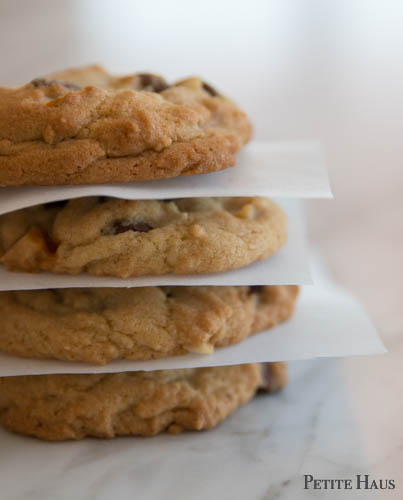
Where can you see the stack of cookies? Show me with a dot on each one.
(85, 126)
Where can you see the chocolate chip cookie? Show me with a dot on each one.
(60, 407)
(85, 126)
(99, 325)
(113, 237)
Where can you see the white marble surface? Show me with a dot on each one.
(336, 419)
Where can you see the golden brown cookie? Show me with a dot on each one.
(85, 126)
(60, 407)
(112, 237)
(98, 325)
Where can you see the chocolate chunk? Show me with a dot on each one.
(42, 83)
(266, 374)
(274, 377)
(211, 90)
(58, 295)
(51, 245)
(152, 82)
(39, 82)
(255, 289)
(56, 204)
(71, 86)
(124, 226)
(268, 382)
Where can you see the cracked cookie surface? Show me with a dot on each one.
(60, 407)
(85, 126)
(102, 324)
(123, 238)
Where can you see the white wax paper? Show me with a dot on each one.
(289, 170)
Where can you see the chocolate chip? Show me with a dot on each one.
(274, 377)
(51, 245)
(152, 82)
(69, 85)
(58, 295)
(56, 204)
(39, 82)
(42, 83)
(266, 376)
(269, 383)
(124, 226)
(211, 90)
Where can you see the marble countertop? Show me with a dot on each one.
(338, 418)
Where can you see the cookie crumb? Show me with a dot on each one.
(202, 349)
(197, 231)
(246, 212)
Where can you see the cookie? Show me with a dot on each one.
(98, 325)
(123, 238)
(60, 407)
(85, 126)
